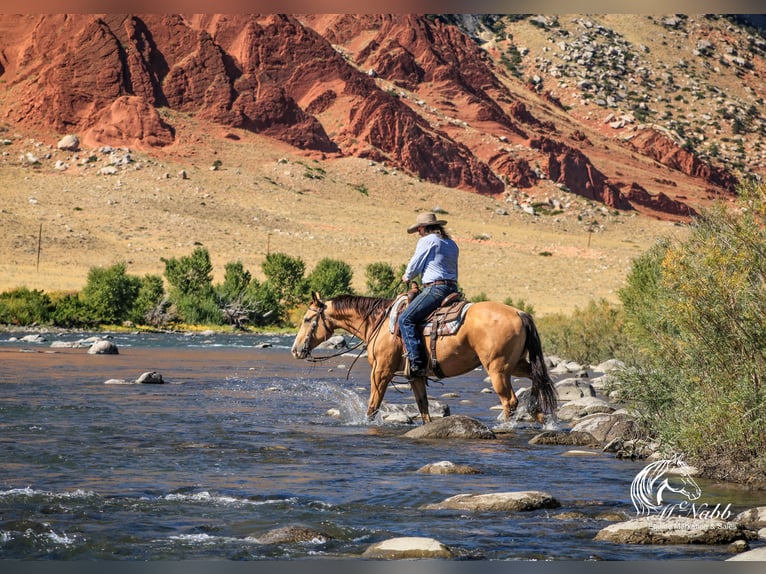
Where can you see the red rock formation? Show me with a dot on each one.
(660, 202)
(569, 166)
(128, 121)
(663, 149)
(515, 171)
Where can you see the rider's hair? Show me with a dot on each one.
(438, 229)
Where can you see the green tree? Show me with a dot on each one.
(331, 277)
(149, 307)
(110, 293)
(285, 275)
(381, 279)
(192, 293)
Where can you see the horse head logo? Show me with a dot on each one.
(662, 478)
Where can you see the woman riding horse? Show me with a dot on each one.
(500, 338)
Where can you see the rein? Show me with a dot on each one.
(362, 343)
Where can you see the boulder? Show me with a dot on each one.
(753, 518)
(607, 427)
(574, 388)
(582, 407)
(336, 342)
(452, 427)
(33, 339)
(756, 555)
(447, 467)
(292, 535)
(103, 347)
(150, 378)
(407, 547)
(566, 438)
(69, 142)
(672, 530)
(497, 502)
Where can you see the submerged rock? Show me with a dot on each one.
(447, 467)
(292, 535)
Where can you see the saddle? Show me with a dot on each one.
(443, 321)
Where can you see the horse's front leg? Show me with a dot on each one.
(378, 386)
(421, 398)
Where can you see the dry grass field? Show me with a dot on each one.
(264, 197)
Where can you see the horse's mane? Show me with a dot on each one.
(372, 307)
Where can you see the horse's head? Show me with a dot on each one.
(314, 328)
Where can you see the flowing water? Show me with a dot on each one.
(238, 442)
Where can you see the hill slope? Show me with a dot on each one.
(331, 131)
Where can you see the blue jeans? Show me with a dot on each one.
(428, 300)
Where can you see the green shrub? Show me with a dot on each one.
(588, 336)
(381, 280)
(696, 312)
(149, 307)
(285, 275)
(72, 312)
(331, 277)
(23, 306)
(110, 293)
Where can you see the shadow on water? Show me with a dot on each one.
(240, 440)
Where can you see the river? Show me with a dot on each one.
(238, 442)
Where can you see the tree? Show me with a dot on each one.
(192, 293)
(331, 277)
(285, 275)
(381, 279)
(110, 293)
(150, 306)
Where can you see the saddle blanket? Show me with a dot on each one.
(454, 313)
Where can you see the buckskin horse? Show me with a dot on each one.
(500, 338)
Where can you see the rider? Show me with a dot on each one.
(436, 261)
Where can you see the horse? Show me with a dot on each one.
(649, 485)
(498, 337)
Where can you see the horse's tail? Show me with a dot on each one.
(543, 390)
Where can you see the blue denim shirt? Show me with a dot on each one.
(435, 259)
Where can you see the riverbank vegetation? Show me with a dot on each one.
(689, 327)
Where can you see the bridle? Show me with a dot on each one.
(319, 314)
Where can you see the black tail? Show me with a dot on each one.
(543, 390)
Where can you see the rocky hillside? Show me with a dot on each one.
(647, 113)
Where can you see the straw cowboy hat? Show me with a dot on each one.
(424, 220)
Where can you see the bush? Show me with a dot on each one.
(588, 336)
(110, 293)
(381, 280)
(149, 306)
(285, 276)
(72, 312)
(696, 311)
(23, 306)
(330, 278)
(191, 292)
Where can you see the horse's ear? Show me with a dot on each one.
(316, 298)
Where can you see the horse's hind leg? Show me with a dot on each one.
(421, 398)
(501, 383)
